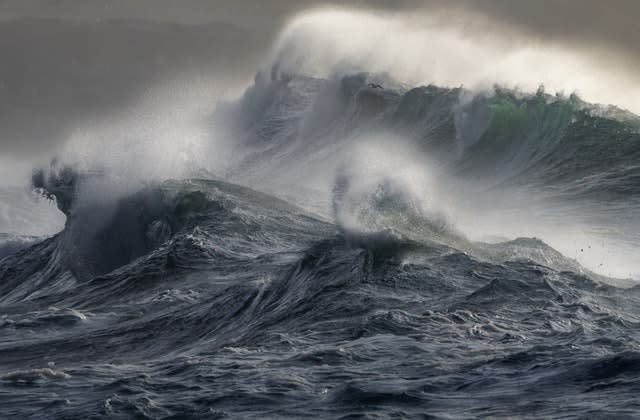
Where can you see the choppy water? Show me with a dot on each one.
(204, 299)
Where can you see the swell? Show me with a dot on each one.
(559, 146)
(506, 137)
(174, 224)
(250, 304)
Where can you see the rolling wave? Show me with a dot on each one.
(504, 135)
(365, 292)
(220, 300)
(500, 163)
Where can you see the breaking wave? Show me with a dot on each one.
(364, 248)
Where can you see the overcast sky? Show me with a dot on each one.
(64, 61)
(609, 22)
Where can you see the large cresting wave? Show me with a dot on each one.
(362, 247)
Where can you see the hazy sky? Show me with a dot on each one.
(611, 22)
(65, 61)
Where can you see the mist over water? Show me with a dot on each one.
(170, 132)
(431, 49)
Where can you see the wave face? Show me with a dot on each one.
(500, 163)
(551, 141)
(368, 297)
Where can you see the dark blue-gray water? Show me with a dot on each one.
(201, 298)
